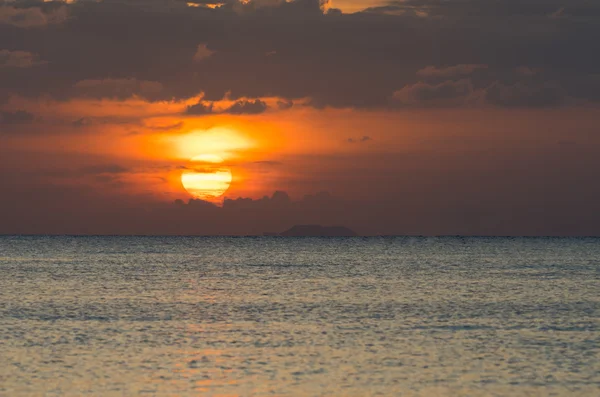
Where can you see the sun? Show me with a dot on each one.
(205, 178)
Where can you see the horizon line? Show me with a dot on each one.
(291, 237)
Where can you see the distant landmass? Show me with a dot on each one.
(315, 231)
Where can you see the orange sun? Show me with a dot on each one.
(205, 178)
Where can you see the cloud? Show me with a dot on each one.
(168, 127)
(525, 95)
(244, 106)
(200, 109)
(450, 71)
(16, 117)
(202, 53)
(519, 94)
(448, 93)
(525, 71)
(119, 88)
(82, 122)
(484, 8)
(18, 59)
(102, 169)
(355, 61)
(365, 138)
(80, 210)
(105, 120)
(247, 107)
(284, 105)
(32, 17)
(191, 3)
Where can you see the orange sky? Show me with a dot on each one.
(281, 149)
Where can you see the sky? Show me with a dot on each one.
(409, 117)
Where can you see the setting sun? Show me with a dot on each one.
(204, 179)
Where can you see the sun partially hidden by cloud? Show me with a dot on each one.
(204, 179)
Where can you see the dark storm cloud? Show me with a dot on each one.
(164, 50)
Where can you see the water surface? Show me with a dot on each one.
(184, 316)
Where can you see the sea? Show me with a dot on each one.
(274, 316)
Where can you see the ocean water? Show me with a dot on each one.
(186, 316)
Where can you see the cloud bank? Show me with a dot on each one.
(164, 50)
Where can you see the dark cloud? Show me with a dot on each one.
(173, 51)
(365, 138)
(12, 13)
(490, 8)
(106, 120)
(79, 210)
(16, 117)
(240, 107)
(200, 109)
(447, 93)
(168, 127)
(523, 95)
(585, 87)
(118, 88)
(102, 169)
(18, 59)
(247, 107)
(284, 105)
(202, 53)
(450, 71)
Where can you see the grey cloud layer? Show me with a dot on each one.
(431, 51)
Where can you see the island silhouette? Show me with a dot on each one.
(315, 231)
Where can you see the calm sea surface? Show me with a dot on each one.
(128, 316)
